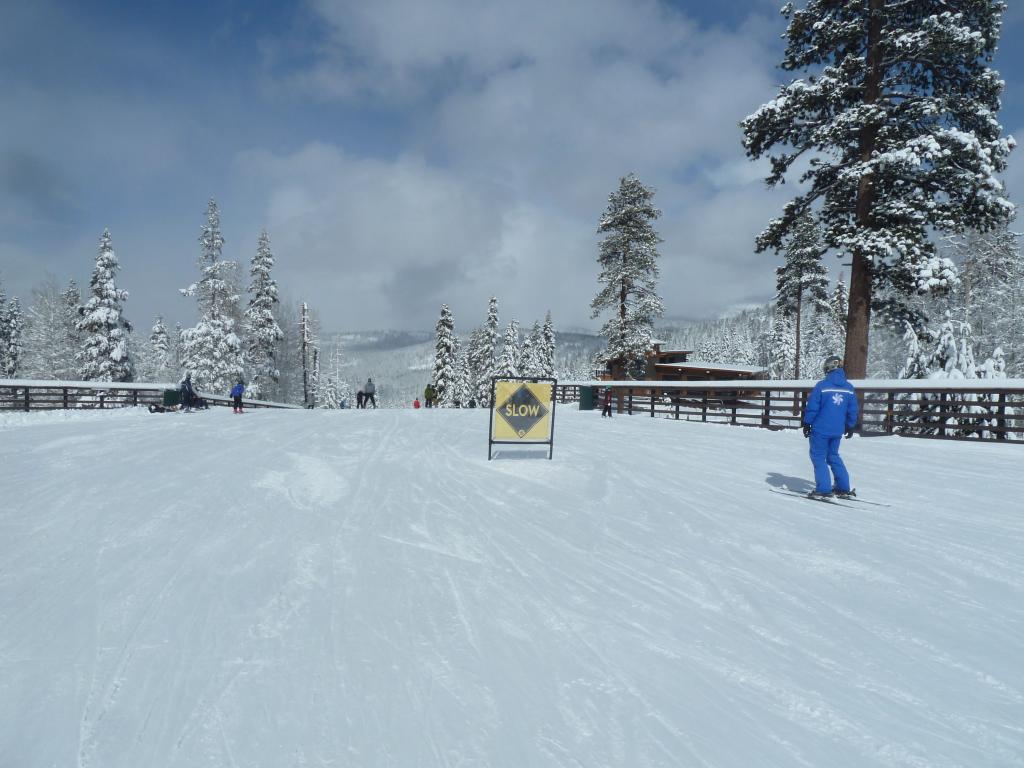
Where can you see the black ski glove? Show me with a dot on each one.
(807, 430)
(849, 434)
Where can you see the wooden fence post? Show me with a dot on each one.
(654, 394)
(28, 401)
(942, 414)
(65, 398)
(630, 401)
(704, 405)
(675, 399)
(1001, 421)
(890, 413)
(135, 397)
(766, 419)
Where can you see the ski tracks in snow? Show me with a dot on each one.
(365, 588)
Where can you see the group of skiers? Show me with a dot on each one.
(190, 400)
(430, 399)
(367, 394)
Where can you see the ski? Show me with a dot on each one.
(864, 501)
(820, 499)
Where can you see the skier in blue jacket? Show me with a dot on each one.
(236, 396)
(831, 412)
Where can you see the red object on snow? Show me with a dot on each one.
(416, 403)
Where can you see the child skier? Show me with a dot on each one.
(236, 395)
(831, 412)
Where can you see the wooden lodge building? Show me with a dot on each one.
(677, 365)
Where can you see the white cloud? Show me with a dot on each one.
(529, 112)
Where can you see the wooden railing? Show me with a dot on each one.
(42, 395)
(965, 410)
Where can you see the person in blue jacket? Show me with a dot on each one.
(236, 395)
(831, 412)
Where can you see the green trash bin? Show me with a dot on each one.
(172, 397)
(587, 397)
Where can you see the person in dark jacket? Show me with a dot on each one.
(188, 393)
(606, 398)
(369, 390)
(831, 412)
(236, 395)
(429, 395)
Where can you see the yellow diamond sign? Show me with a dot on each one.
(522, 411)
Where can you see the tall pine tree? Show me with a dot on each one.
(629, 271)
(211, 350)
(484, 358)
(547, 355)
(71, 312)
(463, 380)
(105, 354)
(13, 343)
(261, 329)
(781, 346)
(5, 331)
(802, 281)
(510, 351)
(444, 358)
(532, 364)
(896, 126)
(162, 366)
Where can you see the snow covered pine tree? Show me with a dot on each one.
(547, 356)
(483, 361)
(897, 127)
(211, 350)
(629, 270)
(160, 363)
(105, 354)
(261, 329)
(13, 322)
(511, 353)
(444, 358)
(802, 280)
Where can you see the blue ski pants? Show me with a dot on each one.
(825, 456)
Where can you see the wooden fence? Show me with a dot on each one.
(41, 395)
(968, 410)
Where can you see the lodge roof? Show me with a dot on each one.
(699, 365)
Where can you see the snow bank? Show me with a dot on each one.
(13, 419)
(362, 588)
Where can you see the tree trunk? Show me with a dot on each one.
(305, 372)
(622, 322)
(799, 311)
(858, 318)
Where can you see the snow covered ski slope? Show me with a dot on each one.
(362, 588)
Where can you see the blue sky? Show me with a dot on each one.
(401, 153)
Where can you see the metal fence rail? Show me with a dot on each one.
(968, 410)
